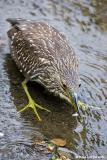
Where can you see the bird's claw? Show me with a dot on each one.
(34, 106)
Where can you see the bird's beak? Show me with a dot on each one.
(74, 101)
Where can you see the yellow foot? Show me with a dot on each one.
(34, 106)
(85, 106)
(31, 103)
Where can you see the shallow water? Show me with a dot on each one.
(85, 25)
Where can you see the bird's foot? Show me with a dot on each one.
(85, 106)
(32, 104)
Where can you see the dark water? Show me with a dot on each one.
(85, 24)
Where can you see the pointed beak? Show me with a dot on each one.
(74, 101)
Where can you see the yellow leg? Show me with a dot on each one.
(32, 104)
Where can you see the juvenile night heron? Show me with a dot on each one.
(43, 55)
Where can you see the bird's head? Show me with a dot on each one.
(66, 86)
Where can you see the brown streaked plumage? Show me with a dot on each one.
(43, 55)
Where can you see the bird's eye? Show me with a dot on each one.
(80, 85)
(64, 85)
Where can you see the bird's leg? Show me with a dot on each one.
(32, 104)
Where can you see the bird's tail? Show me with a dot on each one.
(18, 21)
(15, 21)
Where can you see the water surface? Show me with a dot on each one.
(85, 25)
